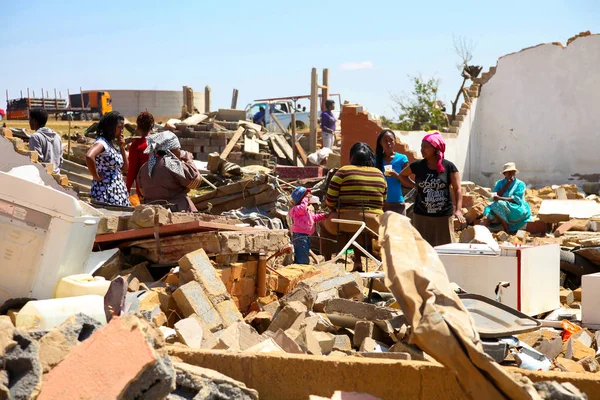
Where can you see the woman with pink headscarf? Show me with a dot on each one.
(434, 176)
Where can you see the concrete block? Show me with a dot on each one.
(302, 293)
(198, 266)
(144, 216)
(362, 330)
(191, 299)
(325, 341)
(415, 353)
(475, 212)
(229, 313)
(590, 364)
(352, 291)
(286, 342)
(369, 345)
(566, 296)
(58, 343)
(575, 350)
(190, 331)
(567, 365)
(342, 343)
(149, 301)
(266, 346)
(116, 362)
(197, 382)
(590, 299)
(363, 311)
(291, 275)
(577, 294)
(19, 358)
(289, 316)
(238, 337)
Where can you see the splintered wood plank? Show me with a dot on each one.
(236, 136)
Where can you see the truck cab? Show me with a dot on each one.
(282, 110)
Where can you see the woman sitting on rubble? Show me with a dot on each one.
(356, 192)
(509, 207)
(434, 177)
(106, 163)
(169, 174)
(391, 164)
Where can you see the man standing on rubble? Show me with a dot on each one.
(45, 141)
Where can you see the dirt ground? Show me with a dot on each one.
(61, 127)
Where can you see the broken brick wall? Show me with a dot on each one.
(357, 127)
(539, 110)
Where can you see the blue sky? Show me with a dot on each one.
(267, 48)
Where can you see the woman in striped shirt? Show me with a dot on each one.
(356, 192)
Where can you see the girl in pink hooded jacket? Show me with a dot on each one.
(303, 225)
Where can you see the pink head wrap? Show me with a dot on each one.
(437, 141)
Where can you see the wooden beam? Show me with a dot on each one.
(207, 93)
(314, 107)
(283, 130)
(236, 136)
(277, 149)
(234, 99)
(325, 89)
(301, 152)
(287, 149)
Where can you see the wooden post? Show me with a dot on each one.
(325, 90)
(234, 98)
(69, 141)
(294, 138)
(261, 281)
(207, 99)
(69, 96)
(314, 110)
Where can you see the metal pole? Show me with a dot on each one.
(294, 150)
(43, 101)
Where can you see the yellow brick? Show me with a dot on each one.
(251, 267)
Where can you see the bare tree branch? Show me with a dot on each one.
(463, 47)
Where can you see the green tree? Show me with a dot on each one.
(421, 109)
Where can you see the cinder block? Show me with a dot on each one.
(191, 299)
(197, 266)
(590, 299)
(229, 313)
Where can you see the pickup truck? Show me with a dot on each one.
(282, 110)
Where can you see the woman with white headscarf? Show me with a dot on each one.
(169, 174)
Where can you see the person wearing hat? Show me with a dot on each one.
(509, 207)
(303, 225)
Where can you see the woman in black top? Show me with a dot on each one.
(434, 176)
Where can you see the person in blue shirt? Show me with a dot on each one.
(391, 164)
(259, 117)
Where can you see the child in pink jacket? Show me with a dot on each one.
(303, 224)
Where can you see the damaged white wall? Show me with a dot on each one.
(161, 103)
(457, 145)
(540, 110)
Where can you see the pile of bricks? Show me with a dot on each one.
(203, 139)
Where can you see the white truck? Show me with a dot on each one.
(282, 109)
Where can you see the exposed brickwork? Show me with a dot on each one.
(357, 127)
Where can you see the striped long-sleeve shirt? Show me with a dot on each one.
(356, 187)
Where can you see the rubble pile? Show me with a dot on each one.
(126, 358)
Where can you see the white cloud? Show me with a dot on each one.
(352, 66)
